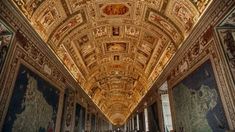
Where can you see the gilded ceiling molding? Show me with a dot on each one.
(115, 50)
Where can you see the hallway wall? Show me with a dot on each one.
(213, 103)
(28, 71)
(35, 89)
(213, 41)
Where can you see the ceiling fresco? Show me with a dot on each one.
(115, 49)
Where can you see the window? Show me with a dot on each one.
(137, 122)
(146, 119)
(166, 108)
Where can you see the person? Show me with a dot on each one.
(50, 127)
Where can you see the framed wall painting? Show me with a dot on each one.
(6, 36)
(226, 33)
(79, 118)
(197, 103)
(153, 117)
(227, 41)
(68, 110)
(33, 105)
(93, 122)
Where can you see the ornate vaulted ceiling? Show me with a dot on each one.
(115, 49)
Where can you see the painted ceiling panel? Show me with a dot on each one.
(114, 49)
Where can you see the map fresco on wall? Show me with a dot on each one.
(33, 105)
(79, 118)
(197, 103)
(5, 40)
